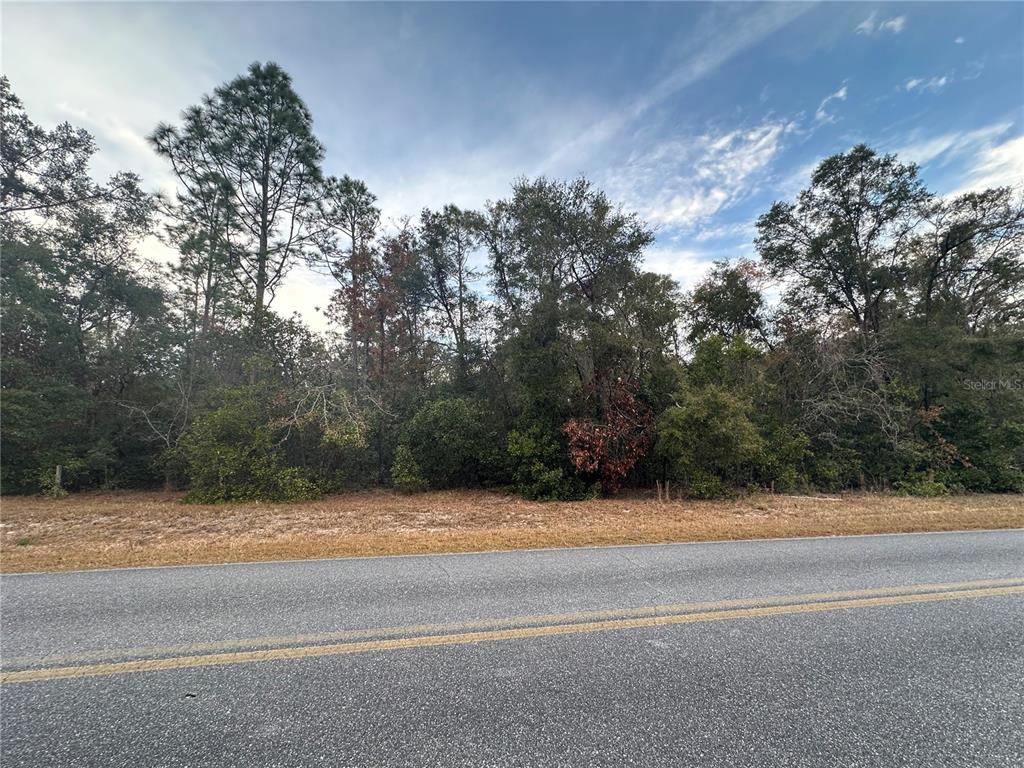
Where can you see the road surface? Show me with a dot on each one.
(860, 651)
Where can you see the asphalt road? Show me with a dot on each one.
(882, 650)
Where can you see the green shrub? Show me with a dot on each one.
(48, 484)
(534, 461)
(231, 454)
(1006, 480)
(704, 485)
(452, 443)
(41, 429)
(921, 485)
(786, 451)
(834, 468)
(966, 479)
(405, 472)
(708, 433)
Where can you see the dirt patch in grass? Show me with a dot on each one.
(103, 530)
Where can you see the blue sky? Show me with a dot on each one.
(697, 116)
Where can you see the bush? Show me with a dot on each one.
(405, 472)
(452, 443)
(41, 429)
(835, 468)
(921, 485)
(708, 433)
(611, 445)
(1006, 480)
(785, 454)
(704, 485)
(48, 484)
(534, 461)
(987, 473)
(231, 454)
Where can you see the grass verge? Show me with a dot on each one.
(109, 530)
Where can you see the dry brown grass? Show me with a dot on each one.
(95, 530)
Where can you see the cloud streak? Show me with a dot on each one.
(952, 145)
(872, 26)
(822, 115)
(682, 183)
(997, 165)
(932, 85)
(709, 47)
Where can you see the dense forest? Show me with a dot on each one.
(876, 342)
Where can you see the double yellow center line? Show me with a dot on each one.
(489, 630)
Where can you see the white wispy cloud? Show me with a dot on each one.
(991, 156)
(931, 84)
(712, 43)
(996, 165)
(952, 145)
(894, 25)
(873, 26)
(822, 115)
(959, 40)
(681, 183)
(867, 26)
(971, 71)
(744, 230)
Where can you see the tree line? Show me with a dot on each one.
(876, 342)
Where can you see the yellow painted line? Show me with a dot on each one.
(191, 649)
(521, 633)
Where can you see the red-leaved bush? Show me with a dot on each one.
(611, 444)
